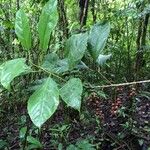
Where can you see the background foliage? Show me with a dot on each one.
(61, 51)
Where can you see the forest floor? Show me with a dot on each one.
(120, 122)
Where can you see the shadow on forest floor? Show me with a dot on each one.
(122, 123)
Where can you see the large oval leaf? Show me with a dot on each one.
(47, 23)
(97, 39)
(53, 64)
(75, 48)
(11, 69)
(71, 93)
(44, 102)
(22, 29)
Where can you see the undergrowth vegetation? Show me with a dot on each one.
(74, 75)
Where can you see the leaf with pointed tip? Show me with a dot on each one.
(43, 103)
(22, 29)
(71, 93)
(97, 39)
(11, 69)
(48, 21)
(102, 59)
(75, 48)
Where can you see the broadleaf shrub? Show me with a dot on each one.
(43, 103)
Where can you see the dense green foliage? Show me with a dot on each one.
(55, 55)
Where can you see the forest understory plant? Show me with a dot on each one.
(44, 101)
(52, 60)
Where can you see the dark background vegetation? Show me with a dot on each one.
(111, 118)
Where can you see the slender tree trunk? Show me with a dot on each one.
(63, 22)
(93, 11)
(141, 43)
(128, 52)
(18, 6)
(83, 4)
(63, 25)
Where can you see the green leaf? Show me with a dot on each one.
(32, 146)
(81, 145)
(3, 144)
(145, 94)
(11, 69)
(71, 93)
(97, 39)
(22, 29)
(102, 59)
(48, 21)
(60, 146)
(22, 132)
(85, 145)
(75, 48)
(34, 141)
(53, 64)
(72, 147)
(44, 102)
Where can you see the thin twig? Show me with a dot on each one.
(121, 84)
(50, 73)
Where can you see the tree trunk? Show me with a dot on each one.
(141, 43)
(83, 4)
(93, 11)
(63, 22)
(18, 6)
